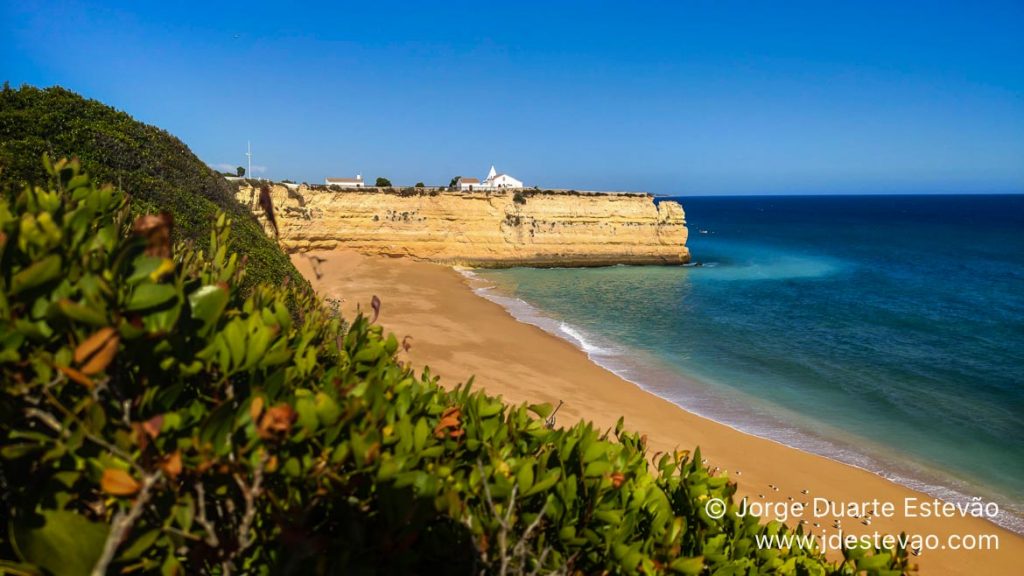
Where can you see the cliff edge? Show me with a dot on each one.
(493, 228)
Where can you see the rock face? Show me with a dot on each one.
(496, 228)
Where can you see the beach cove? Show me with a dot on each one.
(460, 335)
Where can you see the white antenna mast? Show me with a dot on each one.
(248, 155)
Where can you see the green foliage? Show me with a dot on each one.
(155, 168)
(420, 185)
(382, 182)
(155, 419)
(454, 181)
(518, 197)
(240, 171)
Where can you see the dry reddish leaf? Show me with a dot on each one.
(375, 304)
(96, 352)
(449, 419)
(153, 426)
(256, 408)
(141, 438)
(172, 465)
(99, 362)
(372, 452)
(406, 345)
(276, 420)
(156, 229)
(77, 376)
(92, 344)
(617, 479)
(118, 483)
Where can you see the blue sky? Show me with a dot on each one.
(706, 97)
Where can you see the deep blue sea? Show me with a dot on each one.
(882, 331)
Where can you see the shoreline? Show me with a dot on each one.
(840, 447)
(459, 333)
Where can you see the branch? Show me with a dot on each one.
(211, 534)
(123, 523)
(251, 493)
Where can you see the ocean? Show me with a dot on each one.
(882, 331)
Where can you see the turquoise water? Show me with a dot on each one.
(883, 331)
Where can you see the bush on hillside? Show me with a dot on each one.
(154, 167)
(154, 419)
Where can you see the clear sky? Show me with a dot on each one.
(710, 97)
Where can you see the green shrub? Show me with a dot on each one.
(382, 182)
(154, 167)
(153, 419)
(518, 197)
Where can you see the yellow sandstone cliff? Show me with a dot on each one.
(481, 228)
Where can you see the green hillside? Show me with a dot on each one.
(155, 168)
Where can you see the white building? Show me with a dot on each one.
(467, 183)
(356, 182)
(495, 180)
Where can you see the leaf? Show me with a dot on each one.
(549, 480)
(375, 304)
(449, 419)
(102, 359)
(77, 376)
(38, 273)
(216, 430)
(524, 477)
(419, 434)
(542, 410)
(208, 303)
(688, 565)
(256, 408)
(65, 543)
(80, 313)
(597, 468)
(118, 482)
(875, 562)
(327, 410)
(594, 451)
(92, 344)
(150, 296)
(172, 465)
(96, 352)
(277, 420)
(153, 426)
(306, 409)
(141, 545)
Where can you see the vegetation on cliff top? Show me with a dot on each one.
(155, 419)
(154, 167)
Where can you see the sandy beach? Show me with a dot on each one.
(459, 334)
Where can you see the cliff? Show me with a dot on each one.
(480, 228)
